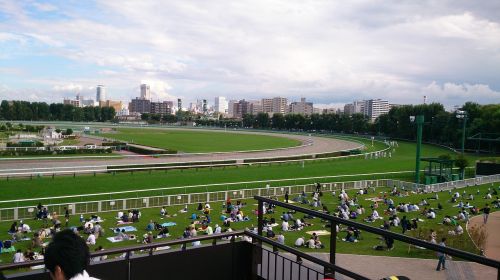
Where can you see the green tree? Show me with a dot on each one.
(461, 162)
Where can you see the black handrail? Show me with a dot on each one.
(306, 256)
(407, 239)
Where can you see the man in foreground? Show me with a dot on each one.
(67, 257)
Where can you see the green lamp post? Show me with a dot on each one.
(419, 120)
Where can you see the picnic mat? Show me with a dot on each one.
(12, 249)
(374, 199)
(168, 224)
(126, 228)
(113, 240)
(318, 232)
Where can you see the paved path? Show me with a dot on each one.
(377, 267)
(492, 247)
(319, 145)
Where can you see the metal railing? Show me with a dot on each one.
(123, 204)
(334, 221)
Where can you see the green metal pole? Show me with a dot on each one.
(420, 122)
(463, 134)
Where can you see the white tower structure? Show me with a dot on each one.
(145, 92)
(101, 93)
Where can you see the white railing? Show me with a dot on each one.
(121, 204)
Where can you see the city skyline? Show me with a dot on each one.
(328, 52)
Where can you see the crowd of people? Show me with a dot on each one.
(381, 207)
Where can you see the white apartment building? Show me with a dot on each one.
(375, 107)
(274, 105)
(221, 105)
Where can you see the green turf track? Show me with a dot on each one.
(402, 160)
(191, 141)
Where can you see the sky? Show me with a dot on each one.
(331, 52)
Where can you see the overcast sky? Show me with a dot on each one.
(330, 52)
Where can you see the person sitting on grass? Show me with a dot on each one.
(13, 228)
(431, 214)
(394, 221)
(280, 238)
(311, 244)
(91, 239)
(147, 238)
(163, 212)
(284, 226)
(300, 242)
(350, 236)
(36, 242)
(150, 226)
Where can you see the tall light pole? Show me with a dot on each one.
(419, 120)
(462, 115)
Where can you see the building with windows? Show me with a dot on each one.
(162, 108)
(139, 105)
(274, 105)
(356, 107)
(301, 108)
(375, 107)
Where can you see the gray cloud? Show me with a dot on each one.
(327, 51)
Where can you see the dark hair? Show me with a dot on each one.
(68, 251)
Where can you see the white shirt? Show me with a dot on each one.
(218, 230)
(311, 244)
(91, 239)
(83, 276)
(299, 242)
(281, 239)
(375, 214)
(26, 228)
(209, 230)
(19, 257)
(284, 226)
(432, 215)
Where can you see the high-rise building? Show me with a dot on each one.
(221, 105)
(280, 105)
(267, 105)
(375, 107)
(100, 93)
(145, 92)
(302, 107)
(230, 108)
(256, 107)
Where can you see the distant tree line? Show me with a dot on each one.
(41, 111)
(440, 126)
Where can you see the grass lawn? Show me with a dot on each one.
(402, 160)
(200, 141)
(364, 246)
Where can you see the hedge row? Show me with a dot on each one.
(277, 159)
(179, 164)
(57, 152)
(139, 150)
